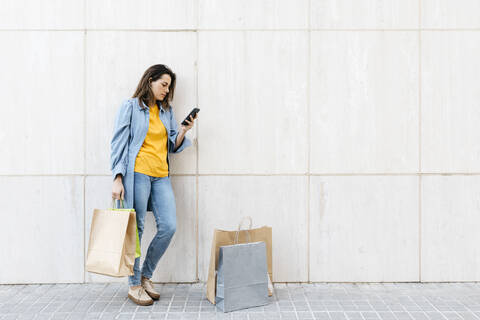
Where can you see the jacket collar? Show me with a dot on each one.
(142, 106)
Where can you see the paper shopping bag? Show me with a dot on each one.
(224, 238)
(242, 278)
(138, 251)
(113, 242)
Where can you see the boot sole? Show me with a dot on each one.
(141, 303)
(153, 295)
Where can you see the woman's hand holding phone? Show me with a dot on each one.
(188, 123)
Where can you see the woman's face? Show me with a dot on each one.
(161, 87)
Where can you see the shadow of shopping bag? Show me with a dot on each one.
(242, 278)
(225, 238)
(113, 244)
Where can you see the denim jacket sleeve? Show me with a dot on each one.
(120, 139)
(173, 136)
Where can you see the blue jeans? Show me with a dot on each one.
(164, 211)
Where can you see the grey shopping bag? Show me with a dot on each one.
(224, 238)
(242, 277)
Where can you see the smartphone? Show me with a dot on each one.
(192, 113)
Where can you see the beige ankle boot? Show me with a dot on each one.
(147, 284)
(140, 296)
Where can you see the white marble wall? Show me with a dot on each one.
(350, 127)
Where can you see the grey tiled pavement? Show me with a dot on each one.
(325, 301)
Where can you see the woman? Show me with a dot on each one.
(145, 132)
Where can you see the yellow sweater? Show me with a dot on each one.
(152, 157)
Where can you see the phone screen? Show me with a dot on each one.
(192, 113)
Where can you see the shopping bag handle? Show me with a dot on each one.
(240, 227)
(114, 204)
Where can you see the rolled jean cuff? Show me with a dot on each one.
(133, 282)
(146, 275)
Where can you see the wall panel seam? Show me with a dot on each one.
(309, 62)
(197, 279)
(341, 174)
(84, 134)
(238, 30)
(420, 141)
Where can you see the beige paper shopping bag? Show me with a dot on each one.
(224, 238)
(111, 248)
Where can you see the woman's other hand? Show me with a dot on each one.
(117, 189)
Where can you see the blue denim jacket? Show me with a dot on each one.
(130, 130)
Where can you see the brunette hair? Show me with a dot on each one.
(144, 91)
